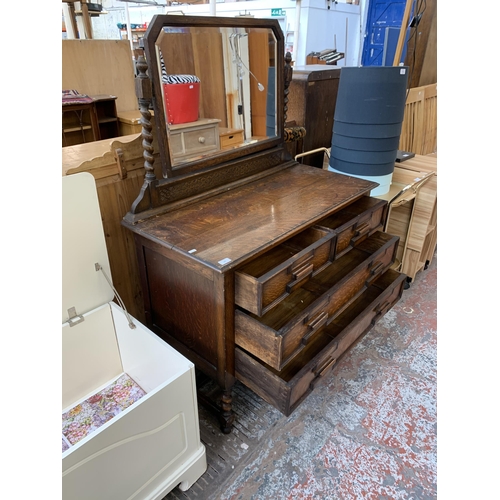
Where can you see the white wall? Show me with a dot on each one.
(327, 29)
(317, 25)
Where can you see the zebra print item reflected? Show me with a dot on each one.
(169, 79)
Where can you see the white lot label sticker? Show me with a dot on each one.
(224, 261)
(192, 251)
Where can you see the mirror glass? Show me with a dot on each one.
(218, 87)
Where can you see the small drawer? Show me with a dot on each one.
(286, 329)
(267, 280)
(198, 140)
(355, 222)
(230, 137)
(287, 388)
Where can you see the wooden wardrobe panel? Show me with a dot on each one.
(96, 67)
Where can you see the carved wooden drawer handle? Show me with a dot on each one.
(314, 325)
(376, 268)
(322, 370)
(201, 140)
(380, 311)
(362, 229)
(303, 270)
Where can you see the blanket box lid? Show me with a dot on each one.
(84, 286)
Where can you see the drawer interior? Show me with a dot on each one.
(367, 302)
(281, 253)
(347, 214)
(284, 312)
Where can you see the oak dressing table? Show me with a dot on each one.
(253, 266)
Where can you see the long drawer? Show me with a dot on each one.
(263, 283)
(286, 389)
(286, 329)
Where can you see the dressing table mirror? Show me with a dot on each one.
(253, 266)
(236, 67)
(215, 75)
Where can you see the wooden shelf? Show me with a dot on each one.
(79, 123)
(77, 129)
(108, 119)
(90, 122)
(107, 116)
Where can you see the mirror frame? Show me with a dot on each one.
(168, 20)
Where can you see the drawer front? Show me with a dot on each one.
(355, 223)
(391, 285)
(175, 143)
(336, 300)
(233, 139)
(276, 337)
(287, 388)
(262, 284)
(200, 140)
(344, 339)
(265, 282)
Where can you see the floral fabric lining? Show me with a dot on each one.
(95, 411)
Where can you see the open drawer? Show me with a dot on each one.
(287, 388)
(355, 222)
(263, 283)
(286, 329)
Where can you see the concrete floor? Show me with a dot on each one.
(368, 431)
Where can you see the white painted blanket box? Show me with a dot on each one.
(143, 437)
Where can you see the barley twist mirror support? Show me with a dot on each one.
(144, 94)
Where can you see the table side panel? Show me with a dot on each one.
(183, 303)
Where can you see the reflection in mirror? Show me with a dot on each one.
(219, 88)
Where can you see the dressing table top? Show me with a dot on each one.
(227, 229)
